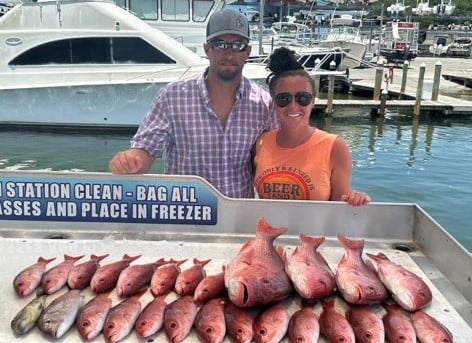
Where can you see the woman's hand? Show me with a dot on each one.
(355, 198)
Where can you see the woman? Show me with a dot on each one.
(299, 161)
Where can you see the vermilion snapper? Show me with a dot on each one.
(92, 317)
(56, 277)
(81, 274)
(29, 278)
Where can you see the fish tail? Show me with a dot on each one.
(45, 260)
(265, 228)
(72, 258)
(98, 258)
(129, 258)
(351, 243)
(201, 262)
(311, 241)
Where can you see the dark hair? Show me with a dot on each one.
(283, 62)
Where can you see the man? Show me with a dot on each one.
(207, 125)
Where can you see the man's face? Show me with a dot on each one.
(227, 55)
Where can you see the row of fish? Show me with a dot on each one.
(219, 317)
(260, 274)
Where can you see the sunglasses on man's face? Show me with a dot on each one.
(301, 98)
(220, 45)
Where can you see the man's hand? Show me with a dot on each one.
(132, 161)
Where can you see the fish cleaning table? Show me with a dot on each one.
(195, 221)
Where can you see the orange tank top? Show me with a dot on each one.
(301, 173)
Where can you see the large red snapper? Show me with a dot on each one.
(367, 325)
(210, 321)
(81, 274)
(429, 329)
(271, 325)
(358, 283)
(92, 317)
(56, 277)
(151, 318)
(121, 318)
(311, 276)
(398, 326)
(179, 317)
(239, 323)
(133, 278)
(188, 279)
(303, 326)
(163, 279)
(256, 275)
(407, 289)
(210, 287)
(28, 279)
(106, 276)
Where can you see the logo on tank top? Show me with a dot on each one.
(283, 185)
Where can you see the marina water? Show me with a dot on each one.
(395, 159)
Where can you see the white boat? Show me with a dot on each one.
(86, 63)
(344, 33)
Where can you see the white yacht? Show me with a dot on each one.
(86, 63)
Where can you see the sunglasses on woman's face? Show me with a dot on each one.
(301, 98)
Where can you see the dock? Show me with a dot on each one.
(399, 92)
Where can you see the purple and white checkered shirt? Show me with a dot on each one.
(182, 124)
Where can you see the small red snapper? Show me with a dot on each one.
(121, 319)
(334, 326)
(133, 278)
(106, 276)
(151, 318)
(210, 287)
(239, 323)
(367, 325)
(303, 326)
(429, 329)
(81, 274)
(179, 317)
(92, 317)
(271, 325)
(56, 277)
(210, 321)
(256, 275)
(163, 279)
(358, 283)
(407, 289)
(57, 318)
(398, 326)
(188, 279)
(28, 279)
(311, 276)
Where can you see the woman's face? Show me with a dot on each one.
(293, 101)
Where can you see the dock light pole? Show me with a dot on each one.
(419, 91)
(437, 78)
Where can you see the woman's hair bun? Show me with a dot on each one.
(283, 59)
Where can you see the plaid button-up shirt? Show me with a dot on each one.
(182, 124)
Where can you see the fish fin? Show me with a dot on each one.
(312, 241)
(201, 262)
(45, 260)
(351, 243)
(98, 258)
(130, 258)
(264, 227)
(72, 258)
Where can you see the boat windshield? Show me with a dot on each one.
(169, 10)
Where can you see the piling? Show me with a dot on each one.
(406, 65)
(317, 79)
(436, 80)
(383, 102)
(378, 80)
(329, 105)
(419, 91)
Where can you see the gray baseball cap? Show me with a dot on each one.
(226, 22)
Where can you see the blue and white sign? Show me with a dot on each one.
(89, 200)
